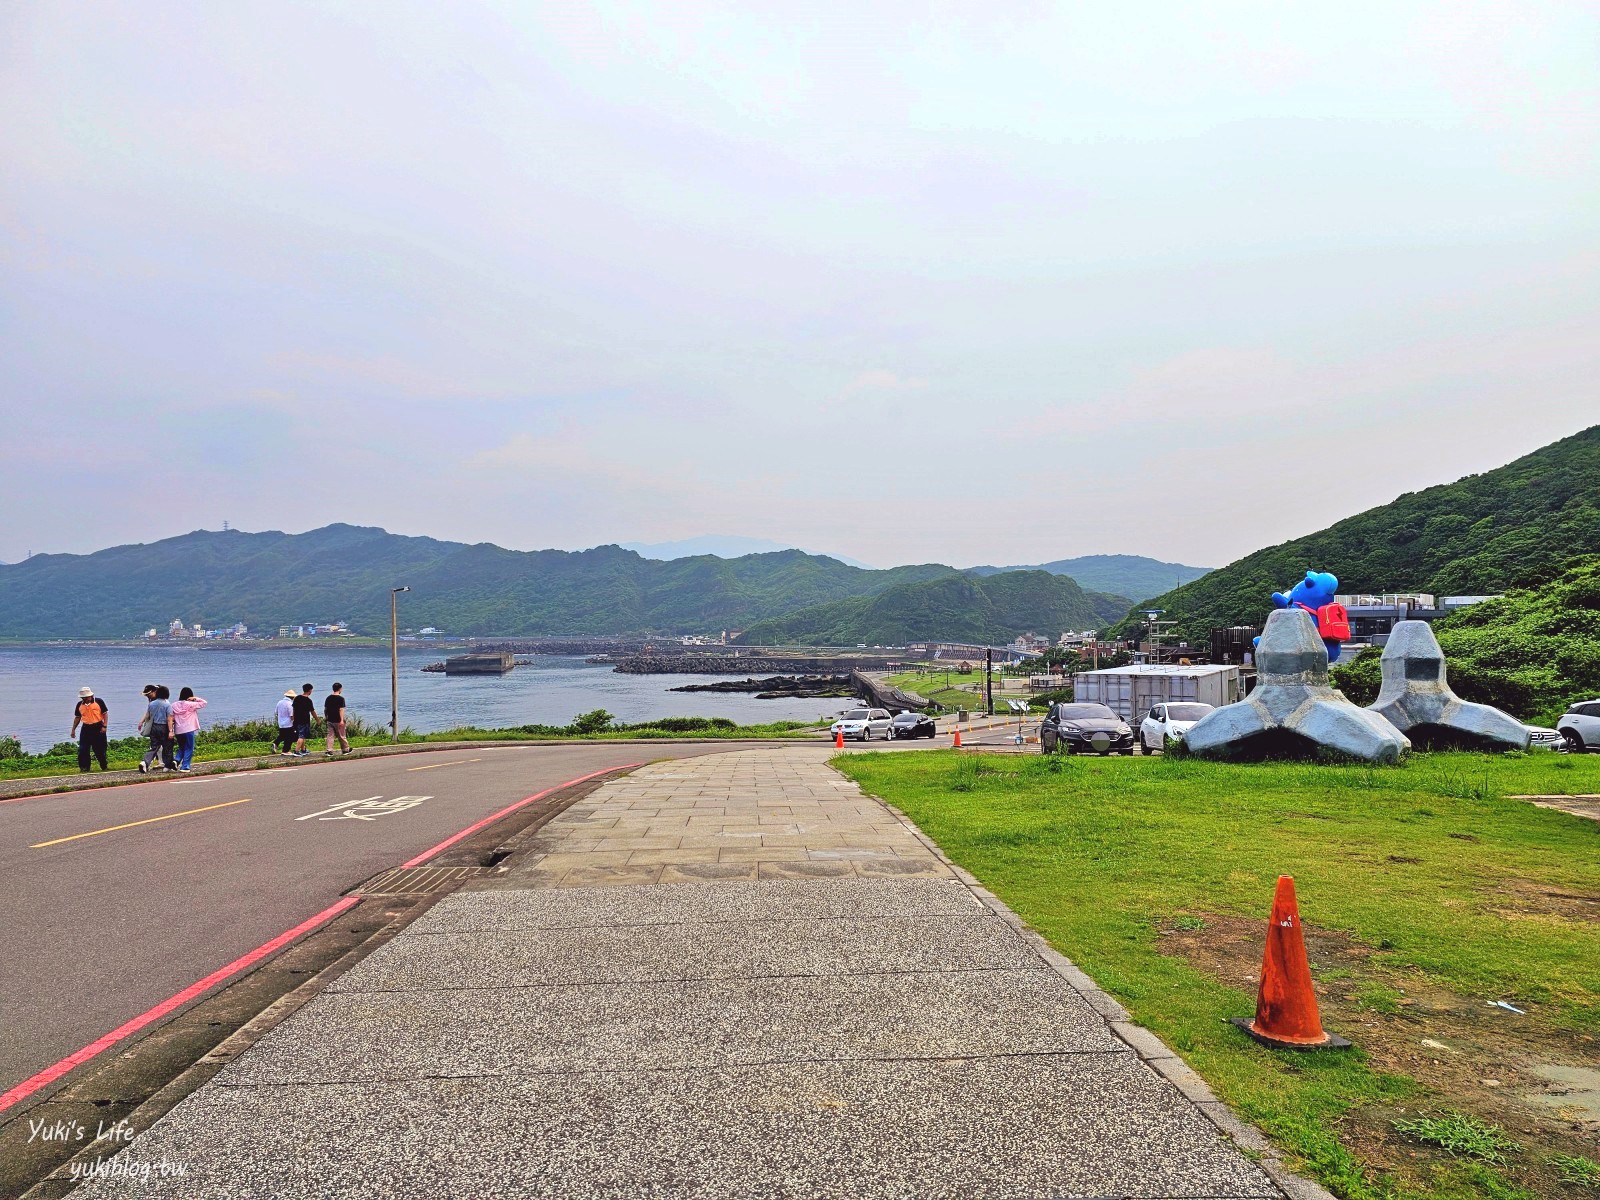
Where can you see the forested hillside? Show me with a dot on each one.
(958, 607)
(1130, 575)
(343, 572)
(1518, 525)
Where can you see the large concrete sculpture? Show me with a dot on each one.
(1416, 697)
(1293, 708)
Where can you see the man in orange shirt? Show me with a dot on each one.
(92, 714)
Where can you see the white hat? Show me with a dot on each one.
(86, 692)
(288, 695)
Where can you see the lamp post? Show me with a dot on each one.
(394, 663)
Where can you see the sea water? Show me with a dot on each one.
(39, 686)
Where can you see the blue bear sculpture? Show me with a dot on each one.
(1311, 593)
(1315, 594)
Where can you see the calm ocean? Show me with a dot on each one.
(39, 686)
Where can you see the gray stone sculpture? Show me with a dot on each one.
(1416, 697)
(1292, 697)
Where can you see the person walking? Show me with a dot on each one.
(285, 714)
(333, 718)
(89, 718)
(305, 712)
(156, 724)
(185, 724)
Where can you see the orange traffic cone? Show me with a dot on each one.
(838, 739)
(1286, 1007)
(957, 732)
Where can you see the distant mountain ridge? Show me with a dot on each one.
(958, 607)
(1130, 575)
(723, 546)
(344, 572)
(1515, 526)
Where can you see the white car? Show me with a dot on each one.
(1542, 738)
(1169, 720)
(1580, 726)
(863, 724)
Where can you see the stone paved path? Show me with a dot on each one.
(761, 814)
(731, 976)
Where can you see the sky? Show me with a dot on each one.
(995, 283)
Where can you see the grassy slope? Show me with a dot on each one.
(1513, 526)
(1095, 852)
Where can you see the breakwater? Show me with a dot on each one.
(742, 664)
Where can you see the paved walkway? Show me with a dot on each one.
(724, 976)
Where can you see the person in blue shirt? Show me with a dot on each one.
(156, 724)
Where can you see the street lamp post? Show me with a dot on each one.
(394, 663)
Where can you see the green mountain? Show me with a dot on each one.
(1531, 652)
(343, 572)
(1517, 525)
(959, 607)
(1120, 574)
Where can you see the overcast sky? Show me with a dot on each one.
(963, 283)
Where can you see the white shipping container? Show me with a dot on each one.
(1131, 692)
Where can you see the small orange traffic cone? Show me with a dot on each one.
(1286, 1007)
(957, 732)
(838, 739)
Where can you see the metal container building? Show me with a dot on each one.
(1131, 691)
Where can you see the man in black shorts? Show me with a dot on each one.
(333, 718)
(305, 712)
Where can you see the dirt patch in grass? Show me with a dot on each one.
(1470, 1055)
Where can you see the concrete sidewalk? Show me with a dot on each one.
(728, 976)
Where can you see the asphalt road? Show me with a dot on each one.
(116, 898)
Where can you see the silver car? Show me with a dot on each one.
(863, 724)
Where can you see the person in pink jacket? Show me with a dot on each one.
(185, 724)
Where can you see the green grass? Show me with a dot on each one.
(1460, 1134)
(1414, 861)
(1576, 1169)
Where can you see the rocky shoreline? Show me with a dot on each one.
(780, 687)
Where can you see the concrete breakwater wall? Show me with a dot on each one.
(883, 696)
(727, 664)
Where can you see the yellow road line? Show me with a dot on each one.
(453, 763)
(131, 824)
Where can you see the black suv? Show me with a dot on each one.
(1081, 728)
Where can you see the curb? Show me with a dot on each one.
(50, 785)
(1151, 1050)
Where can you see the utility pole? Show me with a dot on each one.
(988, 680)
(394, 663)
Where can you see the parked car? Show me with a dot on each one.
(1079, 728)
(1169, 721)
(912, 725)
(1542, 738)
(863, 724)
(1580, 726)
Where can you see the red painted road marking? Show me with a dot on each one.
(52, 1073)
(473, 828)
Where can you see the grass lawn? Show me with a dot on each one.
(951, 689)
(1427, 896)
